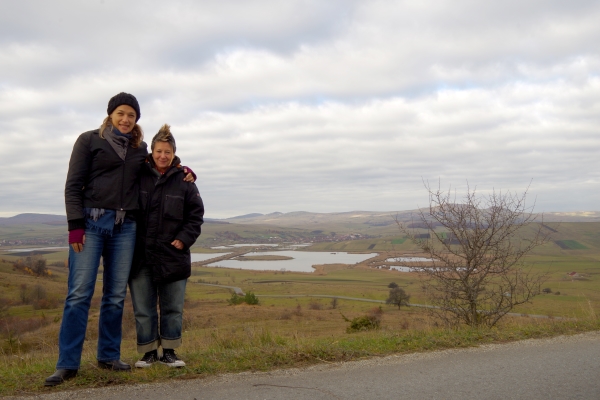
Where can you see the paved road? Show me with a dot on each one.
(557, 368)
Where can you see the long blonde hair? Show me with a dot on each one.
(137, 134)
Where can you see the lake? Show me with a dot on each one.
(408, 259)
(245, 245)
(302, 260)
(39, 249)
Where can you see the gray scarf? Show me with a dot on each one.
(118, 141)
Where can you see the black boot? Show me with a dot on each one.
(59, 376)
(116, 365)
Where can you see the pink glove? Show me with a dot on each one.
(76, 236)
(188, 170)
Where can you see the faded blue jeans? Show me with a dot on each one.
(117, 253)
(145, 294)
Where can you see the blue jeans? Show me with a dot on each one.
(145, 293)
(117, 252)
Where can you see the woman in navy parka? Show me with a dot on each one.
(171, 215)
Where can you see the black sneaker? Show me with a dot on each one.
(170, 359)
(149, 358)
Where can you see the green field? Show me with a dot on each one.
(297, 321)
(570, 245)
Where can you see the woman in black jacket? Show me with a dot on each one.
(101, 198)
(171, 215)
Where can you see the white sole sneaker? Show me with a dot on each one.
(143, 364)
(176, 364)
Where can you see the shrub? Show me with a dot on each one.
(365, 323)
(39, 293)
(314, 305)
(334, 303)
(34, 265)
(44, 304)
(235, 299)
(250, 298)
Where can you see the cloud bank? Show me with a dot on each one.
(308, 105)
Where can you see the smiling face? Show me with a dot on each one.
(163, 155)
(123, 118)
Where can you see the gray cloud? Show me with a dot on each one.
(316, 106)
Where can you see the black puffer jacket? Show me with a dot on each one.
(170, 209)
(98, 178)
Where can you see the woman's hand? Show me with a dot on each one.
(77, 239)
(78, 247)
(178, 244)
(190, 175)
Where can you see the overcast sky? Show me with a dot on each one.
(321, 106)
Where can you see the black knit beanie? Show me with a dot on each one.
(127, 99)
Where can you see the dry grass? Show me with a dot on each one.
(219, 338)
(279, 332)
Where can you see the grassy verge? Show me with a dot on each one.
(255, 348)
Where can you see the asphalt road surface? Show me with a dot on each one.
(565, 367)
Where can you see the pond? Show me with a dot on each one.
(245, 245)
(39, 249)
(302, 261)
(408, 259)
(399, 268)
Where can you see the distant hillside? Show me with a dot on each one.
(31, 218)
(576, 216)
(245, 216)
(214, 221)
(374, 219)
(304, 219)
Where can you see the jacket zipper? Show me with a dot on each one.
(122, 182)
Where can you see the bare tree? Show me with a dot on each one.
(477, 274)
(37, 263)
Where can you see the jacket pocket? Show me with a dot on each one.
(173, 207)
(170, 264)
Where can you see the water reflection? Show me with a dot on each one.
(246, 245)
(26, 250)
(302, 261)
(400, 268)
